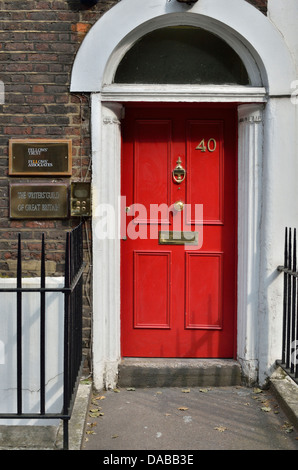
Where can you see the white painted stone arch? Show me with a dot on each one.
(190, 19)
(262, 49)
(246, 29)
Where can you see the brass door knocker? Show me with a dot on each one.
(179, 172)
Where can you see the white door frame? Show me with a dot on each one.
(270, 70)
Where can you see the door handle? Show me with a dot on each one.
(178, 206)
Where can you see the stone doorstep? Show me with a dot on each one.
(135, 372)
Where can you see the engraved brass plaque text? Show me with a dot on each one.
(38, 201)
(40, 157)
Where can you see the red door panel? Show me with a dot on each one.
(176, 300)
(203, 290)
(205, 161)
(152, 152)
(148, 286)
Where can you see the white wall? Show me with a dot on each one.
(280, 191)
(284, 15)
(280, 209)
(31, 362)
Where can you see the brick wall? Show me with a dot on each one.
(39, 43)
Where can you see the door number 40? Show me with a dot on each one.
(211, 145)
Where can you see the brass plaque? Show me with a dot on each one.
(40, 157)
(38, 201)
(178, 238)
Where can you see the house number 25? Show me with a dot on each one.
(211, 145)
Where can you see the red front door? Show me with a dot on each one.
(178, 300)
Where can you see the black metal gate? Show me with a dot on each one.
(72, 354)
(289, 360)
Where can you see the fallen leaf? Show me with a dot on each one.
(204, 390)
(167, 414)
(96, 414)
(116, 390)
(114, 436)
(183, 408)
(130, 389)
(257, 390)
(102, 397)
(266, 409)
(288, 427)
(90, 432)
(220, 428)
(94, 410)
(185, 390)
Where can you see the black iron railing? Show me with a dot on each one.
(289, 360)
(72, 360)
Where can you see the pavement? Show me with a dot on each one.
(186, 420)
(179, 420)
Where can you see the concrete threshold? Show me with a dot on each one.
(156, 372)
